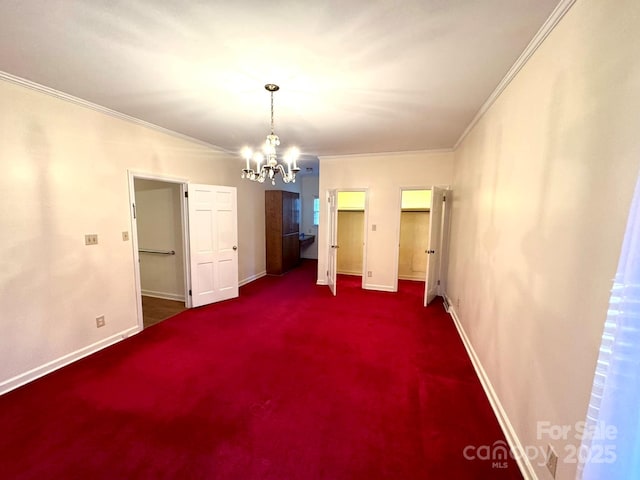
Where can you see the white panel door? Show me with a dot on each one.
(212, 243)
(332, 259)
(226, 242)
(435, 241)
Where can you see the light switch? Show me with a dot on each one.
(125, 236)
(373, 227)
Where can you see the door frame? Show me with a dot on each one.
(183, 182)
(332, 225)
(446, 238)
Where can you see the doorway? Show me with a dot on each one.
(351, 227)
(413, 244)
(415, 210)
(199, 237)
(422, 237)
(346, 225)
(159, 232)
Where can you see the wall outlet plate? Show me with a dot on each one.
(125, 236)
(100, 322)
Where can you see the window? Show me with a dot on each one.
(316, 210)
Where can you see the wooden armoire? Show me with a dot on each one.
(282, 213)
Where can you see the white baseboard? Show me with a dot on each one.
(42, 370)
(380, 288)
(322, 281)
(251, 278)
(507, 428)
(167, 296)
(413, 279)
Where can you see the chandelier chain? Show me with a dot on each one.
(272, 128)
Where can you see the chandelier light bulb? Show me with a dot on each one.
(246, 153)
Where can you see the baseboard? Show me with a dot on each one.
(322, 281)
(35, 373)
(413, 279)
(352, 273)
(163, 295)
(507, 428)
(252, 278)
(379, 288)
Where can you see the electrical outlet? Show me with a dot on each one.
(374, 227)
(125, 236)
(369, 273)
(100, 322)
(91, 239)
(552, 460)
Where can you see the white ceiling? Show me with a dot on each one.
(356, 76)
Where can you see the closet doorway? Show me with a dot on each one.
(415, 212)
(423, 237)
(351, 228)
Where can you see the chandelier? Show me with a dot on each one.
(266, 162)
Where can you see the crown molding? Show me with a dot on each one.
(558, 13)
(107, 111)
(384, 154)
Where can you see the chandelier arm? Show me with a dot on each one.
(280, 169)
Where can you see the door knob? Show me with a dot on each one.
(235, 248)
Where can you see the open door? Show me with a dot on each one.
(332, 258)
(213, 240)
(435, 237)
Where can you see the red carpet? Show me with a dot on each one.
(284, 383)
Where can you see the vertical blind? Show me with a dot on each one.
(612, 450)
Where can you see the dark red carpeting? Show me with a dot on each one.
(284, 383)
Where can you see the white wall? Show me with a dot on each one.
(64, 174)
(383, 175)
(159, 222)
(542, 189)
(309, 190)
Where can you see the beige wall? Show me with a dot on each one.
(64, 174)
(542, 189)
(383, 175)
